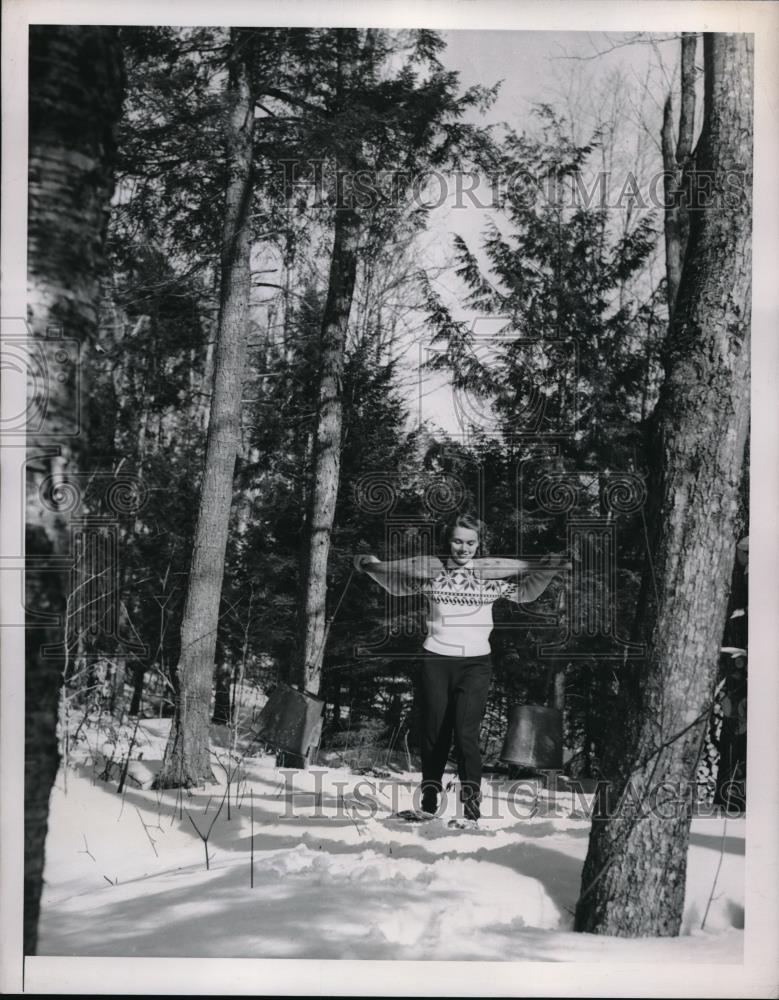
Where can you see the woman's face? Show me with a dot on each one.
(463, 543)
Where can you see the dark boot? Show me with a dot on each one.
(470, 796)
(430, 800)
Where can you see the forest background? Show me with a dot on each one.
(509, 298)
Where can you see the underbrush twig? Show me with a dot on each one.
(146, 831)
(86, 848)
(204, 836)
(716, 874)
(123, 776)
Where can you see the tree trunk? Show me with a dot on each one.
(187, 754)
(76, 87)
(558, 697)
(222, 703)
(326, 464)
(675, 170)
(634, 876)
(327, 448)
(139, 672)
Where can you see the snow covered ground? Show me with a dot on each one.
(335, 878)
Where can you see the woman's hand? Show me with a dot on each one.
(360, 561)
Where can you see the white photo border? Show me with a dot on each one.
(759, 974)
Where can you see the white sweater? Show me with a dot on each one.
(460, 618)
(460, 597)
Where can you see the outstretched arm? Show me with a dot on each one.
(496, 568)
(399, 577)
(531, 583)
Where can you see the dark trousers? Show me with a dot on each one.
(454, 697)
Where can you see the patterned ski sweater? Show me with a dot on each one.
(460, 618)
(460, 598)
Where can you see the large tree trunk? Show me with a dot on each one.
(327, 448)
(328, 440)
(187, 754)
(633, 881)
(76, 86)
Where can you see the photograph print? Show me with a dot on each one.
(386, 474)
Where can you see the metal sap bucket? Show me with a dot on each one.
(291, 720)
(534, 737)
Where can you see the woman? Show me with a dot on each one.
(457, 664)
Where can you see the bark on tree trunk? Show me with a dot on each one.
(327, 444)
(327, 448)
(187, 754)
(634, 875)
(675, 165)
(76, 89)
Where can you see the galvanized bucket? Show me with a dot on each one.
(534, 737)
(291, 720)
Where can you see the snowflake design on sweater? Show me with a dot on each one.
(461, 586)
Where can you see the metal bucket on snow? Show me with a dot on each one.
(291, 720)
(534, 737)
